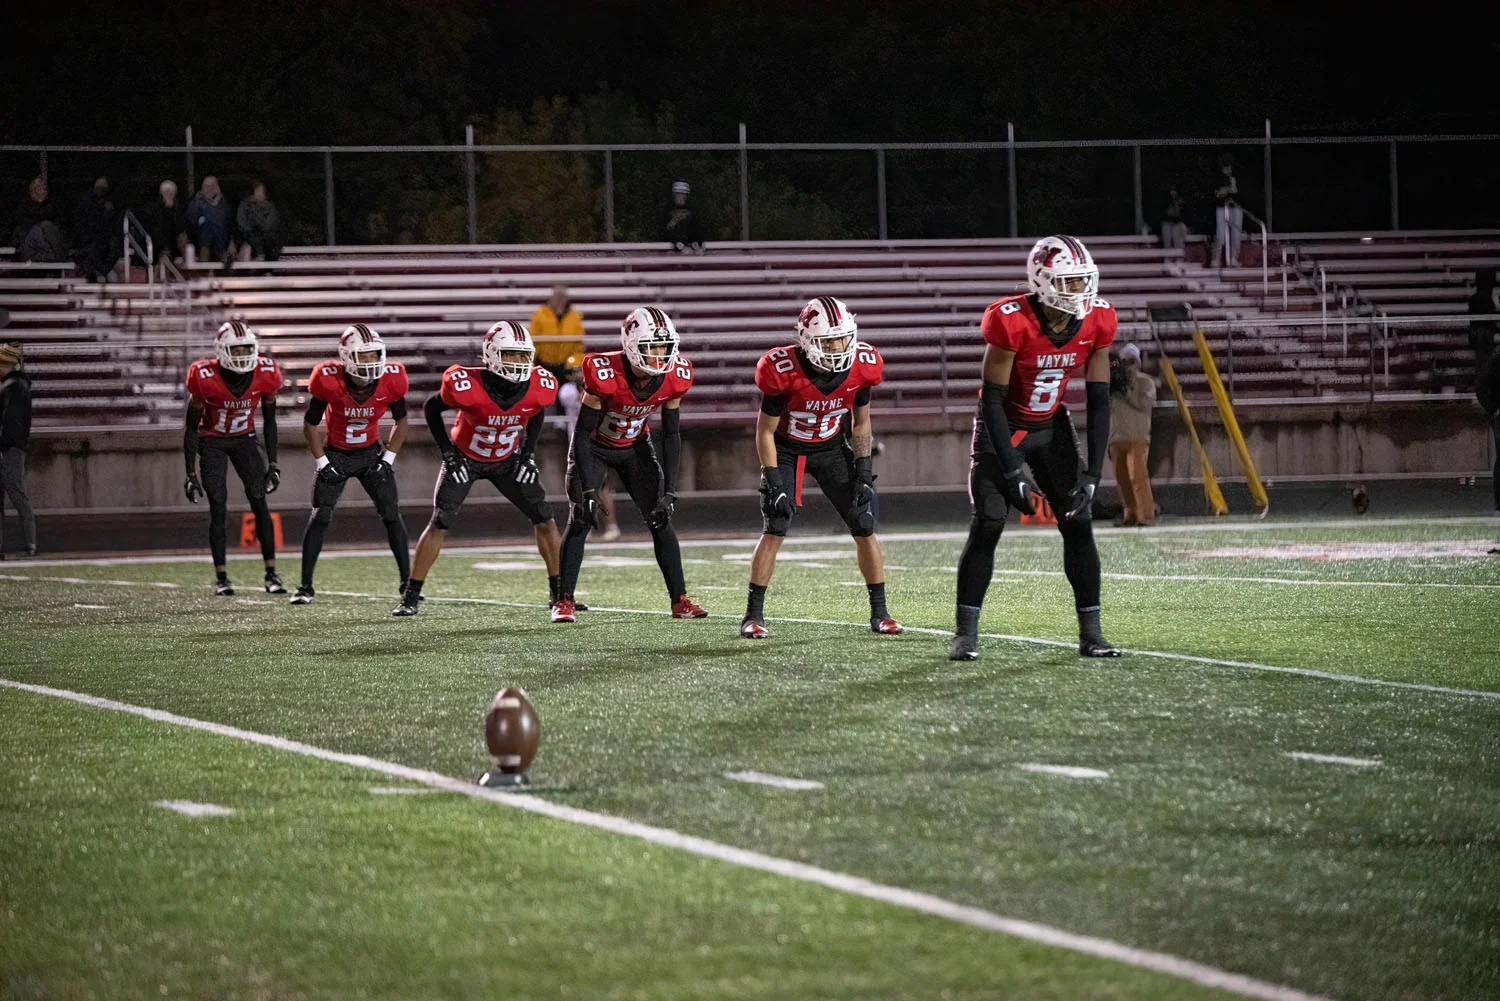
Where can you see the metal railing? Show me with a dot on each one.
(465, 154)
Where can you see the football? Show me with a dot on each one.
(512, 731)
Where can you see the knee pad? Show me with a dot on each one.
(993, 508)
(578, 521)
(439, 520)
(322, 516)
(861, 522)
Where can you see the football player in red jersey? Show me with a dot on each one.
(354, 393)
(1032, 345)
(501, 407)
(815, 419)
(621, 390)
(223, 394)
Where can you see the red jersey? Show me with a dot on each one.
(485, 431)
(811, 416)
(226, 415)
(354, 424)
(625, 412)
(1039, 375)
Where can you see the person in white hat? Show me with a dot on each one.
(681, 227)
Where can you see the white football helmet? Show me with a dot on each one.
(827, 333)
(362, 351)
(236, 347)
(508, 351)
(1062, 274)
(649, 340)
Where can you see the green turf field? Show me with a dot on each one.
(1203, 841)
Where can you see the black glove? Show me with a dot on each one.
(457, 466)
(1081, 497)
(1019, 489)
(526, 471)
(775, 502)
(864, 482)
(386, 467)
(329, 474)
(273, 478)
(192, 487)
(588, 509)
(666, 506)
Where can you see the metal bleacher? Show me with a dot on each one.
(114, 354)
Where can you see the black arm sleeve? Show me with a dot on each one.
(862, 398)
(671, 448)
(1098, 431)
(190, 438)
(579, 449)
(992, 413)
(533, 435)
(268, 420)
(771, 406)
(433, 411)
(398, 409)
(316, 408)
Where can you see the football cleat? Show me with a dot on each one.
(610, 533)
(886, 627)
(222, 587)
(401, 591)
(964, 648)
(685, 608)
(1096, 646)
(273, 583)
(752, 629)
(407, 608)
(304, 596)
(563, 611)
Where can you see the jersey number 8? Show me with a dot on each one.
(1049, 383)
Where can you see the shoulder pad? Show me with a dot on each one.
(600, 377)
(543, 386)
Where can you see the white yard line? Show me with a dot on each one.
(401, 790)
(1334, 759)
(188, 808)
(77, 605)
(926, 903)
(1066, 771)
(778, 781)
(1013, 531)
(1194, 578)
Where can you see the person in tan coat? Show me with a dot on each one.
(1132, 395)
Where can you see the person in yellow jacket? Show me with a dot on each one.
(557, 332)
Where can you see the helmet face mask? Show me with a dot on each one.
(649, 340)
(362, 352)
(1061, 273)
(827, 334)
(508, 351)
(236, 347)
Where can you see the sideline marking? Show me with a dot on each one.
(1249, 580)
(1012, 531)
(1334, 759)
(1066, 771)
(761, 778)
(1186, 969)
(188, 808)
(401, 790)
(77, 605)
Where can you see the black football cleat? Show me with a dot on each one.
(407, 608)
(273, 583)
(964, 647)
(401, 592)
(1095, 646)
(222, 587)
(304, 596)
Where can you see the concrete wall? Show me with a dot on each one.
(143, 469)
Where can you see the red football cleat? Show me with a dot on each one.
(886, 627)
(752, 630)
(563, 610)
(684, 608)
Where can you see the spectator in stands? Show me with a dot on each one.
(680, 225)
(166, 223)
(1485, 302)
(1489, 398)
(557, 330)
(36, 235)
(15, 440)
(96, 232)
(210, 224)
(1132, 394)
(259, 226)
(1173, 229)
(1229, 218)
